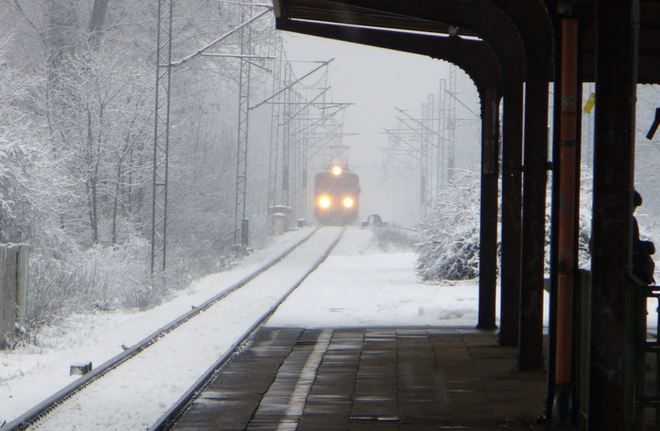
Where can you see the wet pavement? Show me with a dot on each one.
(370, 379)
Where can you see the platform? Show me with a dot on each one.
(370, 379)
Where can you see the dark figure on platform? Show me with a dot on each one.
(643, 265)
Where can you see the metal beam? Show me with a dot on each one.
(205, 48)
(291, 84)
(305, 106)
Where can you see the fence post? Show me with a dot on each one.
(7, 296)
(22, 283)
(13, 291)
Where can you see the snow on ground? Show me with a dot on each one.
(32, 373)
(360, 285)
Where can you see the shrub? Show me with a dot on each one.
(451, 251)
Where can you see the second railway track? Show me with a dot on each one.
(165, 367)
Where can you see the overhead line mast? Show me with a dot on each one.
(276, 114)
(164, 65)
(161, 136)
(241, 228)
(451, 125)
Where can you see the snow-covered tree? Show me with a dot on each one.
(451, 251)
(76, 146)
(102, 119)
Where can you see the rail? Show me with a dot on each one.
(169, 418)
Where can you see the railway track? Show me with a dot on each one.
(136, 388)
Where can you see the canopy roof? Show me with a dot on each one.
(421, 16)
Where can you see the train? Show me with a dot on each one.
(336, 195)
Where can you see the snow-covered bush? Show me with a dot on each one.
(451, 250)
(452, 228)
(103, 277)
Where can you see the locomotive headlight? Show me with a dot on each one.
(348, 202)
(324, 202)
(337, 170)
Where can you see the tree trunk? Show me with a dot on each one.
(129, 191)
(116, 201)
(96, 20)
(61, 33)
(92, 180)
(95, 226)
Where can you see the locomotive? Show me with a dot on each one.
(336, 195)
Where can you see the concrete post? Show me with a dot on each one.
(22, 283)
(13, 291)
(7, 296)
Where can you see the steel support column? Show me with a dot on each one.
(511, 217)
(567, 229)
(617, 24)
(533, 23)
(554, 231)
(530, 354)
(488, 216)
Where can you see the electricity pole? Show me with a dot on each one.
(164, 65)
(276, 114)
(451, 125)
(241, 232)
(161, 135)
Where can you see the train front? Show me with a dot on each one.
(336, 196)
